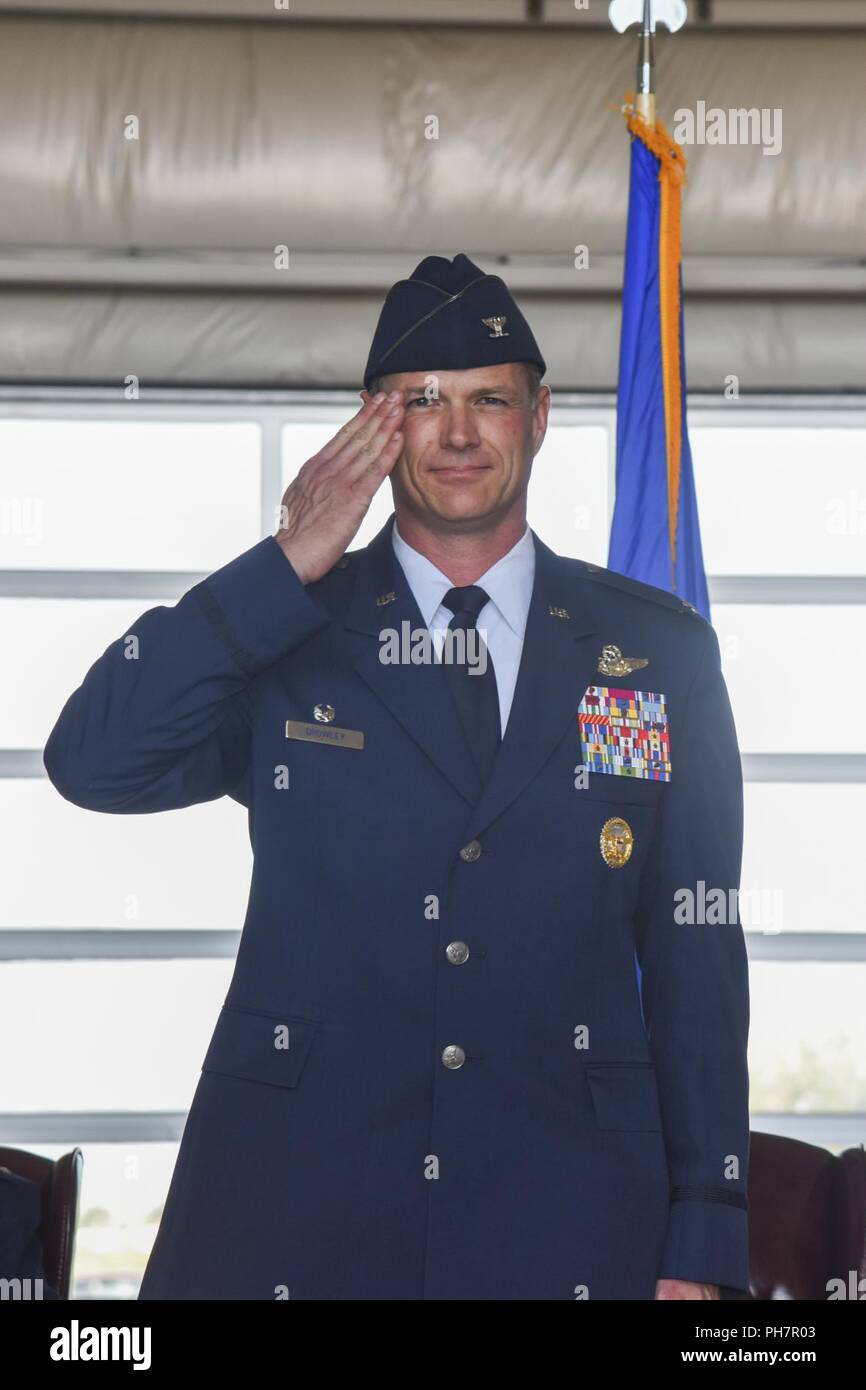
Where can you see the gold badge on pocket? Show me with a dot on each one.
(616, 842)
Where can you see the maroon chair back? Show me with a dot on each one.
(60, 1183)
(807, 1219)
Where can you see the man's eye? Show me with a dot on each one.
(496, 399)
(419, 400)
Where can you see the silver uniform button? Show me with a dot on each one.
(469, 853)
(453, 1057)
(457, 952)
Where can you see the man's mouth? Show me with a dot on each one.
(459, 468)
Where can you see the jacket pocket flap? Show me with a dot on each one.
(624, 1097)
(615, 787)
(259, 1046)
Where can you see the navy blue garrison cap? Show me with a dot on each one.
(449, 316)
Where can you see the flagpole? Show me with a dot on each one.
(647, 13)
(645, 97)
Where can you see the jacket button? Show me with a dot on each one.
(469, 853)
(453, 1057)
(457, 952)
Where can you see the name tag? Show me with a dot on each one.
(322, 733)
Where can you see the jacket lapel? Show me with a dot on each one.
(417, 695)
(558, 662)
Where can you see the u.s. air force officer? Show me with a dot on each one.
(472, 1048)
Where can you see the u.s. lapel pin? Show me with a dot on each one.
(557, 612)
(384, 599)
(613, 663)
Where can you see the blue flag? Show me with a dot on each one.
(655, 536)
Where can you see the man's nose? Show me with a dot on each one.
(458, 428)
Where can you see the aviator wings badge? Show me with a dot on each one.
(613, 663)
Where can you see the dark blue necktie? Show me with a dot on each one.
(476, 695)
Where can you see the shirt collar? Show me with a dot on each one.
(508, 583)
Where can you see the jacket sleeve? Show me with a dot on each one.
(695, 987)
(162, 718)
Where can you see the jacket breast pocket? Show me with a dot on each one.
(624, 1097)
(270, 1048)
(612, 786)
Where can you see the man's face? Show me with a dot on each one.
(470, 438)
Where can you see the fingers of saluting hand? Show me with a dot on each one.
(364, 439)
(685, 1290)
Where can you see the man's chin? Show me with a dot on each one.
(465, 513)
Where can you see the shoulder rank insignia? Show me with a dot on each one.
(625, 732)
(613, 663)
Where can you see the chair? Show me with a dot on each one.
(60, 1182)
(807, 1218)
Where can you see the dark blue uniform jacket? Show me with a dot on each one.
(596, 1136)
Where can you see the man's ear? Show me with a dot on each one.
(365, 396)
(541, 411)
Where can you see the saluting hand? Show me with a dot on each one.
(326, 503)
(684, 1289)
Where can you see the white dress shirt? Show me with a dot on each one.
(502, 620)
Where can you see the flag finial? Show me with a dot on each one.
(623, 14)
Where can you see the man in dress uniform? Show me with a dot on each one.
(482, 1040)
